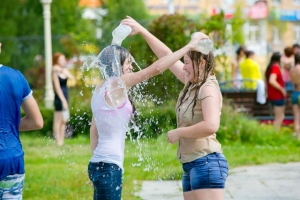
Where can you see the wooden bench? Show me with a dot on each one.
(245, 101)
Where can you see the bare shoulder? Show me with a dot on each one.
(56, 69)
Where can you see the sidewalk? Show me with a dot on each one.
(264, 182)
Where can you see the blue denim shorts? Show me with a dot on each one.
(280, 102)
(11, 186)
(107, 180)
(295, 97)
(207, 172)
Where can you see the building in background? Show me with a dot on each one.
(93, 11)
(270, 25)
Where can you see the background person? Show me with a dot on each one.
(198, 112)
(296, 48)
(236, 74)
(250, 70)
(295, 74)
(60, 76)
(112, 111)
(287, 62)
(14, 93)
(275, 89)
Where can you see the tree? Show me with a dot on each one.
(237, 23)
(25, 40)
(117, 10)
(175, 31)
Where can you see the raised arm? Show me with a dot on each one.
(158, 47)
(163, 63)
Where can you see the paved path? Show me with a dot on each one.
(265, 182)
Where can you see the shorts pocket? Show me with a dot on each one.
(223, 169)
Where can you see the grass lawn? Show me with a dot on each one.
(61, 172)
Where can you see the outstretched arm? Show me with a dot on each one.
(158, 47)
(163, 63)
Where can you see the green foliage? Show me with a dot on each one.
(237, 23)
(237, 127)
(174, 31)
(153, 121)
(145, 159)
(22, 41)
(215, 27)
(117, 11)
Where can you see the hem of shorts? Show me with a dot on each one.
(202, 188)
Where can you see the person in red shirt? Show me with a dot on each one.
(275, 88)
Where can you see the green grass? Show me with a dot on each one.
(61, 172)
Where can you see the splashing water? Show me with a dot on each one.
(95, 71)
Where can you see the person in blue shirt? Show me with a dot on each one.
(14, 93)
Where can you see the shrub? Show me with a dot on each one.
(238, 127)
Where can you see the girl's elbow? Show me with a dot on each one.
(39, 124)
(213, 128)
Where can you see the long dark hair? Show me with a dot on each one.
(208, 69)
(275, 58)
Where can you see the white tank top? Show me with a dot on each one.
(112, 125)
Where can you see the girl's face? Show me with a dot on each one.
(62, 61)
(127, 66)
(192, 70)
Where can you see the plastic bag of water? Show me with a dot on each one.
(205, 45)
(120, 33)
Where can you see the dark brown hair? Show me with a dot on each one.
(297, 59)
(288, 51)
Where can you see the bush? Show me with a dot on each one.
(238, 127)
(153, 120)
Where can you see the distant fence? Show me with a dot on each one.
(244, 100)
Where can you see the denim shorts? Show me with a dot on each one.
(107, 180)
(295, 97)
(11, 187)
(279, 102)
(207, 172)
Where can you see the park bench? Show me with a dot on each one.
(244, 100)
